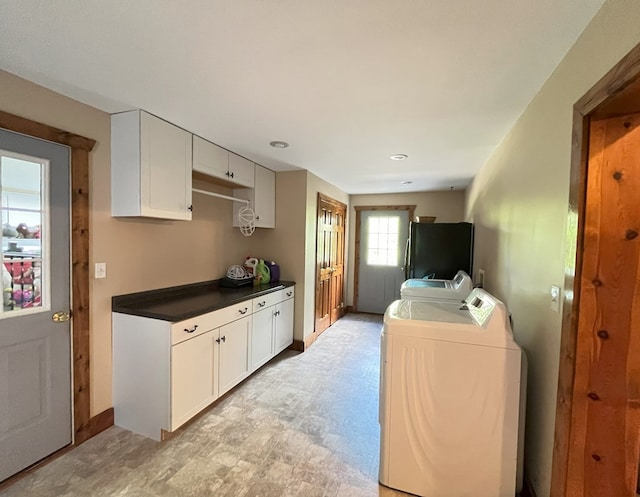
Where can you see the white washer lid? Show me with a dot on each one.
(485, 324)
(422, 283)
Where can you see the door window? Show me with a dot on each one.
(382, 240)
(24, 233)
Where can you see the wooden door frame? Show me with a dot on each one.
(84, 426)
(411, 209)
(609, 89)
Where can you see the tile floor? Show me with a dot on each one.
(304, 425)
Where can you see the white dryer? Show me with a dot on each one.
(454, 290)
(451, 399)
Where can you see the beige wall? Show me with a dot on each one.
(286, 243)
(519, 202)
(447, 206)
(140, 254)
(292, 244)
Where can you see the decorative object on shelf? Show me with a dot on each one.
(425, 219)
(247, 218)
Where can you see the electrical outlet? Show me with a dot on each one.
(555, 298)
(480, 281)
(100, 270)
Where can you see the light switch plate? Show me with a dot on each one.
(555, 298)
(100, 270)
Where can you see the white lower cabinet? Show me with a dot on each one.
(194, 382)
(283, 334)
(272, 330)
(165, 373)
(233, 355)
(262, 337)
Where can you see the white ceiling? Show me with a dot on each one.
(346, 82)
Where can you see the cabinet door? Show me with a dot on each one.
(262, 337)
(284, 325)
(165, 162)
(264, 194)
(241, 171)
(233, 358)
(210, 159)
(192, 377)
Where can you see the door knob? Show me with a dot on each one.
(61, 316)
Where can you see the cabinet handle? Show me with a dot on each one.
(289, 294)
(262, 304)
(217, 340)
(257, 218)
(190, 208)
(243, 311)
(223, 338)
(277, 313)
(231, 175)
(195, 327)
(227, 173)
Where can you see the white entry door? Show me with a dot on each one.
(35, 350)
(383, 235)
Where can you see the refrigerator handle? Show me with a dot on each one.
(406, 258)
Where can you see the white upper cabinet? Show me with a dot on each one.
(215, 161)
(210, 159)
(262, 198)
(241, 170)
(151, 167)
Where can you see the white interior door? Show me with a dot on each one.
(35, 351)
(383, 234)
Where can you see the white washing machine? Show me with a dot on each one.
(454, 290)
(452, 395)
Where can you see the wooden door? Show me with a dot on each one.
(329, 262)
(597, 433)
(607, 376)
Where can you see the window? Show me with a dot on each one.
(23, 214)
(382, 242)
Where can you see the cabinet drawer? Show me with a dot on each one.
(267, 300)
(190, 328)
(234, 312)
(288, 293)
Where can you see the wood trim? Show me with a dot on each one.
(100, 422)
(302, 345)
(332, 201)
(614, 82)
(410, 208)
(574, 243)
(80, 302)
(80, 327)
(309, 340)
(594, 102)
(356, 265)
(45, 132)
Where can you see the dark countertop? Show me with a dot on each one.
(187, 301)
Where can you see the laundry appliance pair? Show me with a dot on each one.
(452, 397)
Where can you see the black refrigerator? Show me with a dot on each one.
(439, 250)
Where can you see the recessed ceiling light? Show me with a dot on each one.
(278, 144)
(398, 157)
(406, 182)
